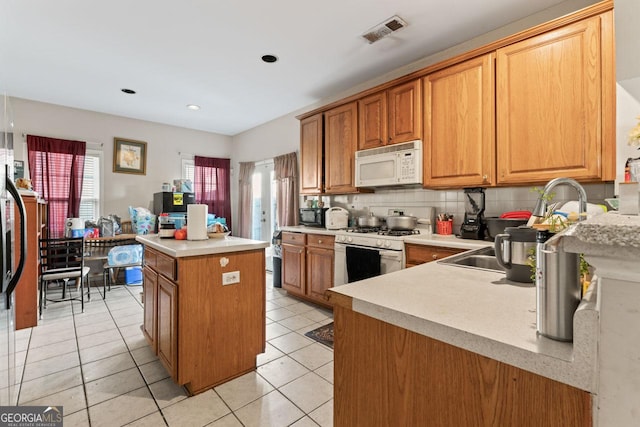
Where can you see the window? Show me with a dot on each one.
(188, 169)
(56, 168)
(212, 185)
(90, 201)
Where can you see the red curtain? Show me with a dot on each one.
(212, 185)
(56, 167)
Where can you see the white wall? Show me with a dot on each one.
(120, 190)
(277, 137)
(282, 135)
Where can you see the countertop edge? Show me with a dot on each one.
(569, 363)
(579, 372)
(187, 248)
(448, 241)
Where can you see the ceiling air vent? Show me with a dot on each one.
(384, 29)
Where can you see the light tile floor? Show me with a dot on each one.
(98, 366)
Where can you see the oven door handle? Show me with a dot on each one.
(391, 254)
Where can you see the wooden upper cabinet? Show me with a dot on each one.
(459, 131)
(373, 121)
(391, 116)
(405, 113)
(341, 139)
(553, 105)
(311, 155)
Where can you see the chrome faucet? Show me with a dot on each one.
(541, 205)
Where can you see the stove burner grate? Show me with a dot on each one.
(364, 230)
(398, 232)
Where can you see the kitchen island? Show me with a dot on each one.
(444, 345)
(204, 307)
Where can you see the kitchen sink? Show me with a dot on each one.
(482, 259)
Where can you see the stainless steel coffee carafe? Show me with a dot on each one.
(558, 286)
(513, 249)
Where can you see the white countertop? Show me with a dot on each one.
(480, 311)
(186, 248)
(449, 241)
(305, 229)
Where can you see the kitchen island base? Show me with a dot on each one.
(204, 315)
(387, 375)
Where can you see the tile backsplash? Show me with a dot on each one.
(413, 201)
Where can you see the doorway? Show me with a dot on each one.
(263, 221)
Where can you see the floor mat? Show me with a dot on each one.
(323, 334)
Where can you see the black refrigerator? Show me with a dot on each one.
(11, 263)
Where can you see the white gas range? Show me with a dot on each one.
(363, 253)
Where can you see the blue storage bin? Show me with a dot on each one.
(133, 276)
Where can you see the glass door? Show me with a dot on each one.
(263, 222)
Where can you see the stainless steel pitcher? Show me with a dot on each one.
(557, 286)
(512, 252)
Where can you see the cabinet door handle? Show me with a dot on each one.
(485, 178)
(319, 242)
(434, 256)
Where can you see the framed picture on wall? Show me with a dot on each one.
(129, 156)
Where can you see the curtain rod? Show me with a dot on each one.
(180, 153)
(94, 144)
(270, 160)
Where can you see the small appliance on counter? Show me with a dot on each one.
(558, 286)
(473, 226)
(169, 222)
(167, 201)
(512, 252)
(74, 227)
(336, 218)
(312, 217)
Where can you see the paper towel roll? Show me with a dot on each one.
(197, 222)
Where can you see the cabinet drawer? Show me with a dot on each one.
(420, 254)
(294, 238)
(150, 258)
(166, 266)
(320, 240)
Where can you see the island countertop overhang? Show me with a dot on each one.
(187, 248)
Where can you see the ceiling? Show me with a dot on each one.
(80, 53)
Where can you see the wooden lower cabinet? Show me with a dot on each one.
(307, 265)
(149, 300)
(386, 375)
(167, 328)
(293, 262)
(205, 333)
(420, 254)
(319, 271)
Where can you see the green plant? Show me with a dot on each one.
(531, 262)
(547, 197)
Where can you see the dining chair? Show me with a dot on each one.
(120, 257)
(62, 260)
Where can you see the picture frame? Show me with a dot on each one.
(129, 156)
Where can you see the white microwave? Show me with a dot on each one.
(397, 164)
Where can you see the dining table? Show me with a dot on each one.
(97, 252)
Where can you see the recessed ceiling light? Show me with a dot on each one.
(269, 58)
(193, 107)
(128, 91)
